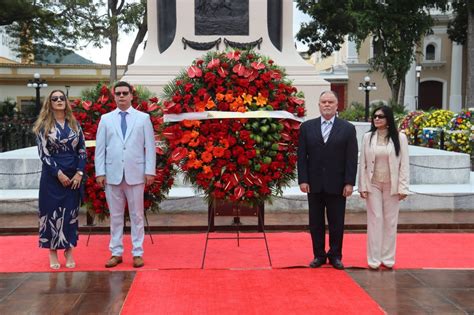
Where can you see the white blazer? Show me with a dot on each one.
(133, 156)
(399, 165)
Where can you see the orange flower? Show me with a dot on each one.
(229, 97)
(206, 169)
(261, 100)
(206, 157)
(247, 98)
(186, 137)
(192, 155)
(197, 164)
(241, 109)
(190, 163)
(194, 134)
(200, 106)
(220, 96)
(237, 105)
(218, 152)
(210, 104)
(194, 143)
(188, 123)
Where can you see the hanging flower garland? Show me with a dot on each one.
(88, 114)
(239, 159)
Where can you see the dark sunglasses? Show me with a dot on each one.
(56, 98)
(379, 117)
(122, 93)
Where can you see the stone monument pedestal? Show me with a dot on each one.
(269, 22)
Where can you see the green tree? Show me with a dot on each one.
(17, 10)
(55, 26)
(461, 30)
(395, 26)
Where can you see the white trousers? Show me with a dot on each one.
(382, 219)
(117, 196)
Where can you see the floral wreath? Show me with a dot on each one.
(410, 124)
(88, 114)
(249, 152)
(458, 136)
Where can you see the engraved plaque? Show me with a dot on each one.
(221, 17)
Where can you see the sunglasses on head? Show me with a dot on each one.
(379, 117)
(122, 93)
(56, 98)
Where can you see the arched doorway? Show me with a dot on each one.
(431, 95)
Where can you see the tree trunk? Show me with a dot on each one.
(142, 30)
(394, 88)
(470, 59)
(401, 93)
(113, 59)
(113, 11)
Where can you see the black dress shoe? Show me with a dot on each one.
(317, 262)
(337, 263)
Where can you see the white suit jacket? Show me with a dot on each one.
(133, 156)
(399, 165)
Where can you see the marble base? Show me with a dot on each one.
(440, 180)
(450, 197)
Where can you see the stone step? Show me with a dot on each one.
(453, 197)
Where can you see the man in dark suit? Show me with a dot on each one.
(327, 167)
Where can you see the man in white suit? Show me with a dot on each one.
(125, 161)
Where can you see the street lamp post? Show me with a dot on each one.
(37, 83)
(418, 77)
(367, 86)
(67, 90)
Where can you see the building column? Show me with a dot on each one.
(455, 88)
(411, 88)
(352, 53)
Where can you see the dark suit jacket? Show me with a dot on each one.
(327, 167)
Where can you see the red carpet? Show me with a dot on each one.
(298, 291)
(178, 251)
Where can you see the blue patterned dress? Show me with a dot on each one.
(62, 149)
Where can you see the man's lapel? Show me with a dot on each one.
(317, 129)
(131, 122)
(116, 122)
(336, 127)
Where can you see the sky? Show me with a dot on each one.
(101, 55)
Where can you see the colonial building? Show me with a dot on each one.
(72, 75)
(435, 80)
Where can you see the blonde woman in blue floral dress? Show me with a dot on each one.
(62, 150)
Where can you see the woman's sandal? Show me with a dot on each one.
(56, 265)
(68, 263)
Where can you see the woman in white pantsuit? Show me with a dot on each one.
(383, 182)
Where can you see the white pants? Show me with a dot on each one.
(382, 219)
(116, 196)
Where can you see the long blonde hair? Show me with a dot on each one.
(45, 121)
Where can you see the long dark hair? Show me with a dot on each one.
(392, 128)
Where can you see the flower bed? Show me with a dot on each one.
(243, 159)
(88, 114)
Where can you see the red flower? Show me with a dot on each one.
(88, 115)
(235, 159)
